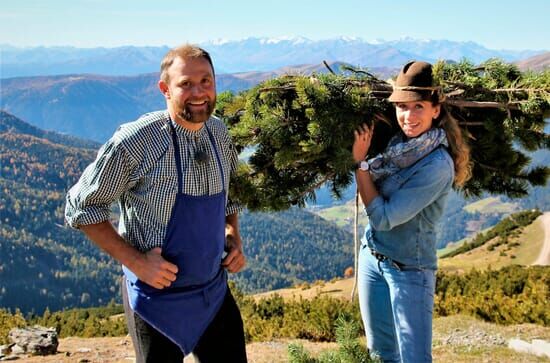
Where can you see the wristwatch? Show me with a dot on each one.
(362, 165)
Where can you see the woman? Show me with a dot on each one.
(404, 192)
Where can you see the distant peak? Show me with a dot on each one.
(219, 41)
(285, 38)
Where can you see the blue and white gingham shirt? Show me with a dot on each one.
(137, 168)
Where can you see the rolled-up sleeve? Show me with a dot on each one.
(419, 191)
(102, 182)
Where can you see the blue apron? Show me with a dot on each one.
(194, 241)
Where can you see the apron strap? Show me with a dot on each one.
(217, 154)
(178, 156)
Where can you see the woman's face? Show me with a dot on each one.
(416, 117)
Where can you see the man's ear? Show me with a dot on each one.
(163, 87)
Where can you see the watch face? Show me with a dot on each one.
(363, 165)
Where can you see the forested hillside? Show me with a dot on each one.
(45, 264)
(289, 247)
(42, 262)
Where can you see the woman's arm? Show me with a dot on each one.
(361, 145)
(425, 186)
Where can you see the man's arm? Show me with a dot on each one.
(235, 260)
(149, 267)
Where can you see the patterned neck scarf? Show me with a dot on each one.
(401, 152)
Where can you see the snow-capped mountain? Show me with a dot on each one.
(250, 54)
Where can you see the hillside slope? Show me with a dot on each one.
(535, 63)
(529, 247)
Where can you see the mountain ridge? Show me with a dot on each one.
(259, 54)
(92, 106)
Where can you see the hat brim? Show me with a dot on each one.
(407, 96)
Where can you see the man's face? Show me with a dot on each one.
(190, 91)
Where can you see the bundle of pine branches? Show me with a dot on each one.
(298, 130)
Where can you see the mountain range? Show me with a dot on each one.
(251, 54)
(93, 106)
(46, 264)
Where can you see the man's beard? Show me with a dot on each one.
(197, 117)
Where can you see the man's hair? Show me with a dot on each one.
(186, 51)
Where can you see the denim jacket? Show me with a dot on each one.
(402, 219)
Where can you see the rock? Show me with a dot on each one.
(537, 347)
(16, 349)
(519, 345)
(541, 347)
(9, 357)
(472, 338)
(5, 349)
(35, 340)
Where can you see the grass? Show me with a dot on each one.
(452, 246)
(337, 289)
(533, 235)
(342, 215)
(491, 205)
(529, 244)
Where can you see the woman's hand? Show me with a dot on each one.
(361, 144)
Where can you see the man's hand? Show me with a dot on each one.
(235, 259)
(154, 270)
(149, 267)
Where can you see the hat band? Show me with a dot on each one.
(414, 88)
(440, 94)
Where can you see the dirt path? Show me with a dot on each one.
(544, 256)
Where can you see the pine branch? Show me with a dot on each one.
(484, 104)
(314, 187)
(298, 126)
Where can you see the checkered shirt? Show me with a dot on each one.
(137, 168)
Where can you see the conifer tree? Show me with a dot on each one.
(298, 130)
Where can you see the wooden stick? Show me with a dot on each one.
(484, 104)
(471, 123)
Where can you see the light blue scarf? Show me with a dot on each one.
(401, 153)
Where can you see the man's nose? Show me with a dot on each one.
(197, 90)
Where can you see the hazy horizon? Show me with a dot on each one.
(103, 23)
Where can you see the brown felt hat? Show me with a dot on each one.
(414, 83)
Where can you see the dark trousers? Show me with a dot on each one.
(222, 341)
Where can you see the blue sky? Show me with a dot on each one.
(495, 24)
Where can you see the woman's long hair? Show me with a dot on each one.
(458, 147)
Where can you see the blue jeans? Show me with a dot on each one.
(396, 307)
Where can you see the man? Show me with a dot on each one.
(169, 172)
